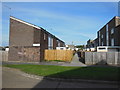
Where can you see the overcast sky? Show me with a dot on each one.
(70, 21)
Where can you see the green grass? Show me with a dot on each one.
(95, 73)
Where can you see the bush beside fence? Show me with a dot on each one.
(63, 55)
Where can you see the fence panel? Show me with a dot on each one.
(50, 56)
(4, 55)
(64, 55)
(68, 55)
(102, 59)
(88, 58)
(0, 55)
(96, 58)
(112, 58)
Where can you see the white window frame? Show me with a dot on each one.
(102, 36)
(50, 42)
(112, 30)
(44, 36)
(36, 44)
(112, 41)
(58, 43)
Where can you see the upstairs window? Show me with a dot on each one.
(112, 30)
(58, 43)
(50, 42)
(102, 36)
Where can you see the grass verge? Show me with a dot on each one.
(95, 73)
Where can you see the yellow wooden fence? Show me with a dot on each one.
(63, 55)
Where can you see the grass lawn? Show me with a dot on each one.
(95, 73)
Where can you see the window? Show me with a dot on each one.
(58, 43)
(112, 42)
(102, 36)
(61, 48)
(50, 42)
(102, 48)
(112, 30)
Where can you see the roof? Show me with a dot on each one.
(35, 26)
(24, 22)
(109, 22)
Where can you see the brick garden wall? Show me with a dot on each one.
(26, 53)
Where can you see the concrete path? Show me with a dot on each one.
(13, 78)
(75, 61)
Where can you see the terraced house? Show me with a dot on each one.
(108, 37)
(27, 41)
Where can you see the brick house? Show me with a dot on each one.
(95, 42)
(90, 43)
(25, 37)
(109, 35)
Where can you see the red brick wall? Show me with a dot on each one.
(111, 24)
(20, 34)
(24, 35)
(54, 43)
(37, 36)
(26, 53)
(117, 36)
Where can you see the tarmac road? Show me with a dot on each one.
(12, 78)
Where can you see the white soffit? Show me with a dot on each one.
(36, 44)
(25, 22)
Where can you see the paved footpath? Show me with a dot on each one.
(75, 61)
(13, 78)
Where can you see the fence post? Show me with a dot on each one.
(112, 58)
